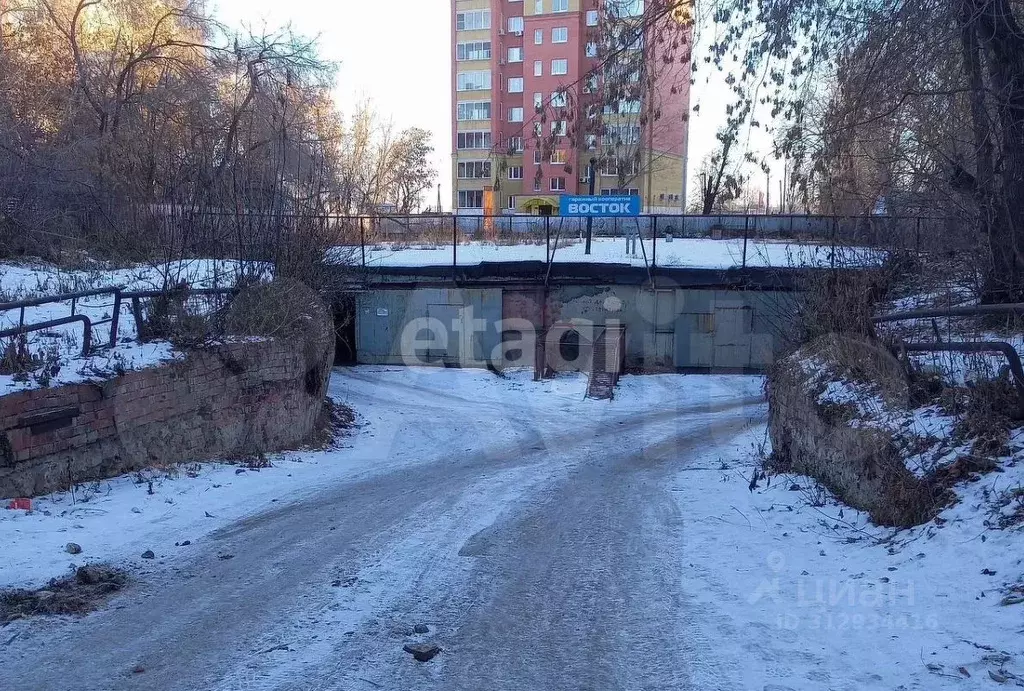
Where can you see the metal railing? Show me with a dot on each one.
(88, 325)
(1003, 348)
(460, 239)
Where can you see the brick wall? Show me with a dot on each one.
(226, 400)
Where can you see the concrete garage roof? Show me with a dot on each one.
(536, 273)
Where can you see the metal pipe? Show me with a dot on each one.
(115, 318)
(39, 326)
(950, 312)
(1007, 350)
(64, 297)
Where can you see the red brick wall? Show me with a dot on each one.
(220, 401)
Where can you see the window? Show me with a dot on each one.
(591, 50)
(559, 157)
(515, 25)
(511, 201)
(474, 170)
(629, 191)
(559, 128)
(625, 8)
(515, 114)
(538, 37)
(558, 99)
(621, 74)
(515, 85)
(610, 167)
(590, 84)
(473, 20)
(538, 101)
(471, 199)
(622, 134)
(474, 81)
(480, 139)
(591, 141)
(536, 185)
(538, 68)
(473, 50)
(560, 34)
(559, 5)
(559, 67)
(537, 157)
(515, 54)
(515, 144)
(515, 172)
(473, 110)
(592, 17)
(538, 7)
(538, 129)
(558, 184)
(626, 107)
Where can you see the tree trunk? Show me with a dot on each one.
(1003, 41)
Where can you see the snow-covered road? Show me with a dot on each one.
(535, 535)
(546, 541)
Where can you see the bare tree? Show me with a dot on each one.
(151, 132)
(917, 101)
(718, 179)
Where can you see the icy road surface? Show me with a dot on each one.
(545, 541)
(534, 534)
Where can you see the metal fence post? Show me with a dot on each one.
(115, 318)
(746, 226)
(547, 238)
(362, 242)
(835, 232)
(455, 242)
(654, 241)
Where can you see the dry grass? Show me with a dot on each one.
(986, 409)
(336, 423)
(79, 593)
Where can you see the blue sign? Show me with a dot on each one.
(599, 206)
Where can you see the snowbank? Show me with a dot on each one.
(682, 253)
(816, 596)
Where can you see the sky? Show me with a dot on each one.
(397, 53)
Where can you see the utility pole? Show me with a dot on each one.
(590, 220)
(439, 197)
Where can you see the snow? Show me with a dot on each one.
(63, 344)
(925, 433)
(182, 496)
(549, 541)
(813, 596)
(682, 253)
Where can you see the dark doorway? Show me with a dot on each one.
(344, 309)
(569, 345)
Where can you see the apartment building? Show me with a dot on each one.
(527, 76)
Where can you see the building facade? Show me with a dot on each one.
(532, 111)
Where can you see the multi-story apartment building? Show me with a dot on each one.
(530, 106)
